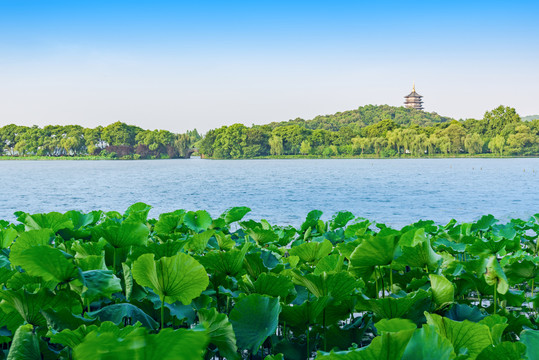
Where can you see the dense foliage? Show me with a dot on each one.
(379, 131)
(117, 140)
(189, 286)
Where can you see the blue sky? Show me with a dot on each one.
(177, 65)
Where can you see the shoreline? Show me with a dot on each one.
(282, 157)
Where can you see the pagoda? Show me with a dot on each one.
(413, 100)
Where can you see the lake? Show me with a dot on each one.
(392, 191)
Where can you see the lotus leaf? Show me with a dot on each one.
(179, 277)
(25, 345)
(426, 343)
(220, 332)
(463, 335)
(197, 221)
(254, 318)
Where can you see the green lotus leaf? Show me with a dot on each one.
(225, 263)
(263, 236)
(81, 220)
(168, 344)
(394, 325)
(99, 284)
(389, 346)
(495, 275)
(312, 251)
(29, 305)
(330, 263)
(485, 223)
(124, 234)
(460, 312)
(169, 222)
(116, 314)
(53, 220)
(463, 335)
(25, 345)
(29, 239)
(530, 338)
(235, 214)
(497, 325)
(442, 290)
(161, 249)
(272, 285)
(254, 318)
(6, 237)
(72, 338)
(427, 344)
(517, 271)
(506, 231)
(504, 351)
(220, 332)
(487, 246)
(443, 244)
(396, 307)
(373, 251)
(415, 250)
(339, 285)
(46, 262)
(301, 316)
(63, 319)
(197, 220)
(274, 357)
(312, 220)
(176, 278)
(198, 242)
(138, 212)
(340, 219)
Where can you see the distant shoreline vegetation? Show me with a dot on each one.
(370, 131)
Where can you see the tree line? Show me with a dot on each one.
(117, 140)
(380, 131)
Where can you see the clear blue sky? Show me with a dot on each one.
(177, 66)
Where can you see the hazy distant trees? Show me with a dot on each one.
(115, 140)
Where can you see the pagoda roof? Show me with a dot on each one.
(413, 94)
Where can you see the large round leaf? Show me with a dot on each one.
(46, 262)
(220, 331)
(442, 289)
(197, 220)
(179, 277)
(427, 344)
(495, 275)
(123, 234)
(254, 318)
(25, 345)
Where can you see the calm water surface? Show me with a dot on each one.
(392, 191)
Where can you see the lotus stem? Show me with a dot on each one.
(324, 325)
(114, 259)
(376, 282)
(495, 298)
(383, 285)
(308, 336)
(533, 286)
(390, 279)
(162, 312)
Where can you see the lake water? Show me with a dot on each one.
(392, 191)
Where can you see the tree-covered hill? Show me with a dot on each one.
(367, 115)
(530, 118)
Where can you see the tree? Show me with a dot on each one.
(473, 143)
(497, 144)
(522, 141)
(444, 144)
(456, 135)
(497, 119)
(276, 144)
(305, 148)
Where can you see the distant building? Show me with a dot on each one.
(413, 100)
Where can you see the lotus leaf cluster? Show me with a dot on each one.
(110, 285)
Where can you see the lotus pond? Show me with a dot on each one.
(107, 285)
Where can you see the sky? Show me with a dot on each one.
(203, 64)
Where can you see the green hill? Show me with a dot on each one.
(530, 118)
(367, 115)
